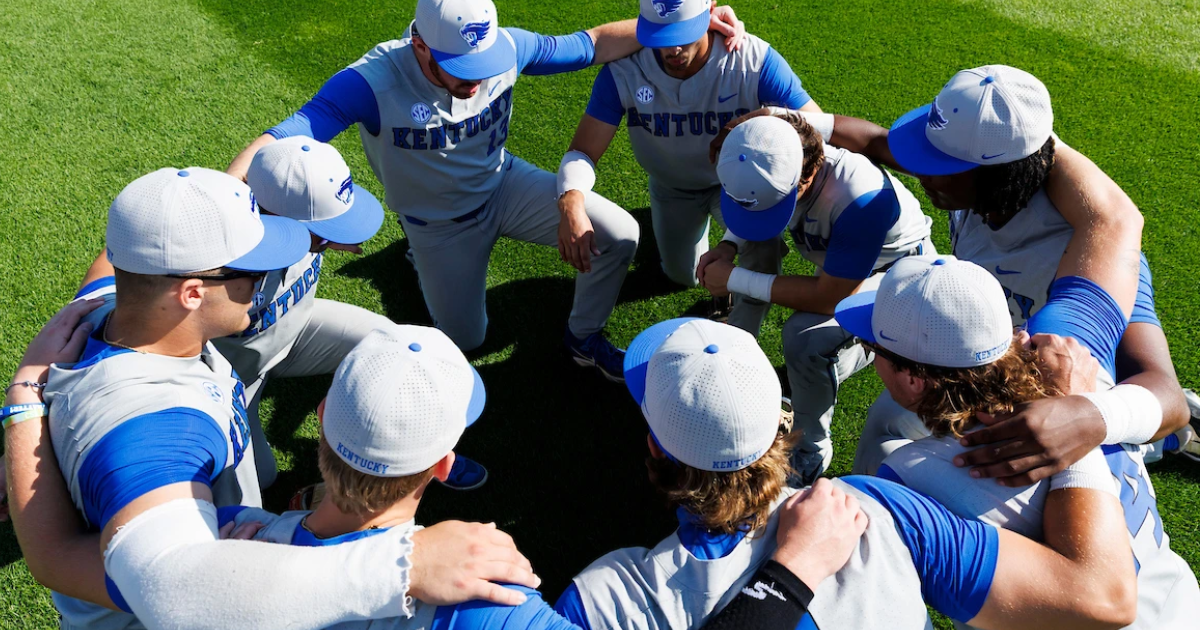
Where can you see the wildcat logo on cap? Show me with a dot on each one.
(345, 194)
(475, 32)
(745, 203)
(936, 119)
(667, 7)
(253, 204)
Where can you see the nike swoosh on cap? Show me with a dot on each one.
(887, 337)
(1004, 272)
(722, 99)
(991, 157)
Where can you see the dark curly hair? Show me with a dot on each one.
(811, 141)
(1002, 190)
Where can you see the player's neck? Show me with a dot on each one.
(328, 521)
(153, 335)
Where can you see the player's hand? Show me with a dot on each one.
(1066, 364)
(724, 250)
(714, 147)
(1038, 439)
(245, 531)
(818, 530)
(576, 238)
(724, 21)
(61, 340)
(455, 562)
(716, 277)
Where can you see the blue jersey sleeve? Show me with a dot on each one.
(570, 606)
(108, 284)
(1079, 308)
(545, 54)
(605, 104)
(779, 85)
(859, 233)
(954, 557)
(1143, 307)
(345, 99)
(149, 452)
(534, 614)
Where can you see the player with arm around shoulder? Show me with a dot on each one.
(400, 382)
(721, 456)
(675, 95)
(433, 111)
(945, 350)
(849, 217)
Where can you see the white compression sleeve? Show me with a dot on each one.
(576, 172)
(174, 573)
(1091, 472)
(1132, 413)
(820, 121)
(751, 283)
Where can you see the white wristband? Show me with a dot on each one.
(751, 284)
(1091, 472)
(820, 121)
(576, 172)
(1132, 414)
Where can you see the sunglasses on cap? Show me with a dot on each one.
(221, 277)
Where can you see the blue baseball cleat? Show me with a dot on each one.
(597, 351)
(467, 474)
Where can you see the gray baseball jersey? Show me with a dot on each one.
(124, 423)
(1023, 255)
(437, 157)
(852, 208)
(669, 587)
(672, 121)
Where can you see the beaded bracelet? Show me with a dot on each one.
(30, 384)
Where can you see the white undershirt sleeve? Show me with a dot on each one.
(174, 573)
(576, 172)
(1091, 472)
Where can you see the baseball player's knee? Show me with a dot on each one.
(678, 273)
(466, 335)
(803, 341)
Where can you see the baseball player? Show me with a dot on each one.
(850, 218)
(433, 111)
(709, 397)
(675, 95)
(983, 150)
(399, 383)
(952, 354)
(151, 434)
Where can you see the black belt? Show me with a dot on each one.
(459, 219)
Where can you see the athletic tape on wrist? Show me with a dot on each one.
(576, 172)
(1132, 414)
(1091, 472)
(751, 284)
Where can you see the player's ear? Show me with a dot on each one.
(191, 294)
(655, 451)
(321, 411)
(441, 470)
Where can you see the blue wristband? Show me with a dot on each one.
(16, 409)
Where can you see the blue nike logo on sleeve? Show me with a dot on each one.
(493, 88)
(1004, 272)
(722, 99)
(808, 220)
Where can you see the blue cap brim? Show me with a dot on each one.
(652, 35)
(356, 225)
(757, 225)
(637, 356)
(854, 315)
(915, 153)
(283, 244)
(478, 399)
(496, 60)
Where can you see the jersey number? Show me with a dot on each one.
(498, 142)
(1137, 499)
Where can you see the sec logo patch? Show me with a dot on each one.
(214, 392)
(420, 113)
(645, 94)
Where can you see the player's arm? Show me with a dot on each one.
(345, 99)
(57, 549)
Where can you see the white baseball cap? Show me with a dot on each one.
(933, 310)
(987, 115)
(308, 181)
(759, 168)
(400, 401)
(183, 221)
(707, 391)
(668, 23)
(464, 37)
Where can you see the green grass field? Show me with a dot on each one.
(94, 93)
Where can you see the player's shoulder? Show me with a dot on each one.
(752, 54)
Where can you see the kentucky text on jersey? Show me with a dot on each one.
(270, 313)
(697, 123)
(450, 134)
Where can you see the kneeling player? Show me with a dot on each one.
(719, 453)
